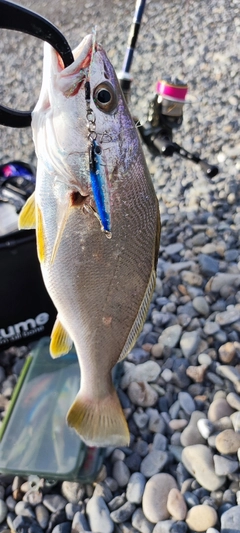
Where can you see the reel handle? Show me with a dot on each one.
(209, 170)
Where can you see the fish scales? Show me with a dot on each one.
(100, 286)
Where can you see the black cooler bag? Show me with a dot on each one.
(26, 311)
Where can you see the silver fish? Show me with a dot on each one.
(97, 224)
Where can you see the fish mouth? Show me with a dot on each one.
(72, 77)
(82, 57)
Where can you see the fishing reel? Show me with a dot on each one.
(17, 183)
(165, 114)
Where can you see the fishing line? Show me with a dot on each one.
(97, 171)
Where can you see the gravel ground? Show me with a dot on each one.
(181, 384)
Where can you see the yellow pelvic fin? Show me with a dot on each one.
(40, 235)
(27, 217)
(61, 226)
(60, 343)
(99, 422)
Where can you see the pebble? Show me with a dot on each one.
(179, 527)
(174, 248)
(24, 509)
(205, 427)
(103, 490)
(117, 502)
(79, 523)
(140, 522)
(153, 463)
(121, 473)
(191, 278)
(170, 336)
(211, 328)
(198, 460)
(135, 488)
(208, 265)
(230, 520)
(176, 505)
(138, 355)
(160, 442)
(199, 519)
(3, 511)
(123, 513)
(191, 434)
(54, 502)
(56, 518)
(201, 305)
(140, 418)
(42, 515)
(186, 402)
(235, 419)
(154, 502)
(99, 515)
(233, 400)
(196, 373)
(189, 343)
(228, 441)
(218, 409)
(64, 527)
(204, 359)
(156, 422)
(229, 372)
(227, 352)
(165, 526)
(148, 371)
(227, 317)
(142, 394)
(224, 466)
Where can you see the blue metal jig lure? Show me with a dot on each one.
(98, 174)
(99, 187)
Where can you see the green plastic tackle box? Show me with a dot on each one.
(34, 437)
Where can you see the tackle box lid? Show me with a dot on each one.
(34, 436)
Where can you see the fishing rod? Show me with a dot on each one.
(165, 112)
(124, 76)
(16, 17)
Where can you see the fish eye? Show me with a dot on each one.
(105, 97)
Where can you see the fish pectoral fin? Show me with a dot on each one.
(60, 343)
(27, 217)
(41, 249)
(99, 422)
(61, 226)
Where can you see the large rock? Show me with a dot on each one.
(155, 496)
(230, 520)
(198, 460)
(99, 516)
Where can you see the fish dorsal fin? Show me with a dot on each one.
(140, 318)
(27, 217)
(60, 343)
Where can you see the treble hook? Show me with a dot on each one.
(16, 17)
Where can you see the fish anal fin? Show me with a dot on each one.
(140, 318)
(60, 343)
(157, 241)
(27, 216)
(99, 422)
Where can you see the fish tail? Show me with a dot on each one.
(99, 423)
